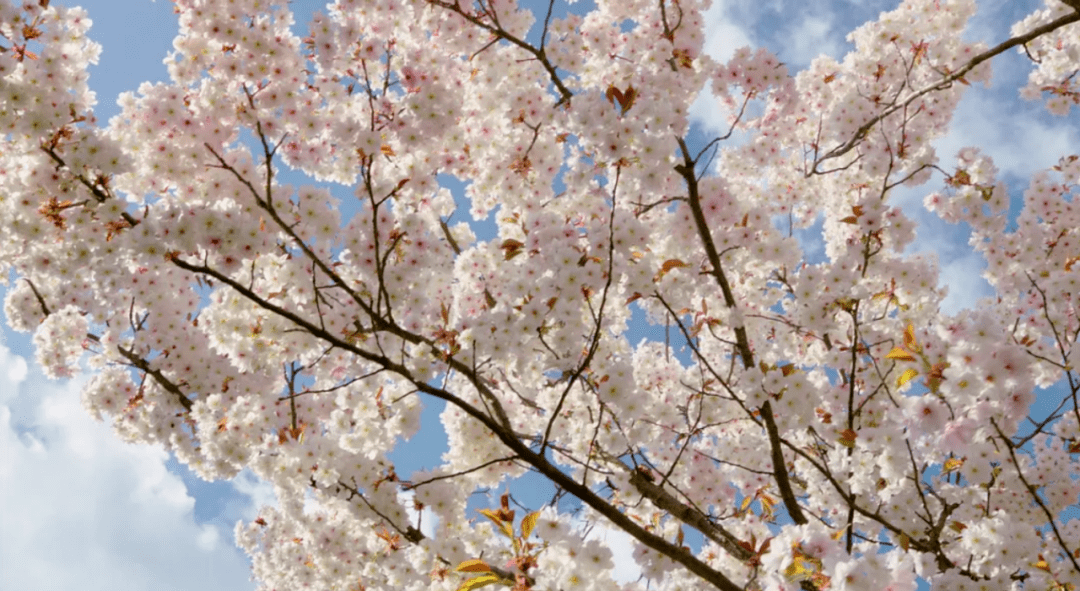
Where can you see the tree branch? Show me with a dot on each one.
(947, 81)
(742, 343)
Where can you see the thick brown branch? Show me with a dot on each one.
(686, 170)
(742, 343)
(649, 539)
(664, 500)
(779, 467)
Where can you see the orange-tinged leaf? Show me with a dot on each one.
(746, 503)
(386, 150)
(614, 94)
(900, 354)
(505, 527)
(629, 97)
(511, 248)
(491, 515)
(850, 220)
(767, 504)
(474, 565)
(787, 370)
(909, 338)
(907, 376)
(952, 464)
(957, 526)
(800, 569)
(764, 548)
(672, 264)
(905, 542)
(528, 523)
(667, 267)
(848, 437)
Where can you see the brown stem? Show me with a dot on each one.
(742, 343)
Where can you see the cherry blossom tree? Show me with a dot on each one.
(832, 427)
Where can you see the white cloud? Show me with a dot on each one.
(428, 523)
(1020, 143)
(83, 510)
(808, 37)
(722, 35)
(963, 277)
(16, 370)
(260, 492)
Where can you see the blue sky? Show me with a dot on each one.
(83, 510)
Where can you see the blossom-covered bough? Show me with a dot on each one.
(831, 429)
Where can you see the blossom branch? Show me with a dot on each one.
(946, 82)
(159, 377)
(412, 534)
(687, 171)
(507, 437)
(539, 54)
(135, 360)
(688, 515)
(1031, 489)
(594, 340)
